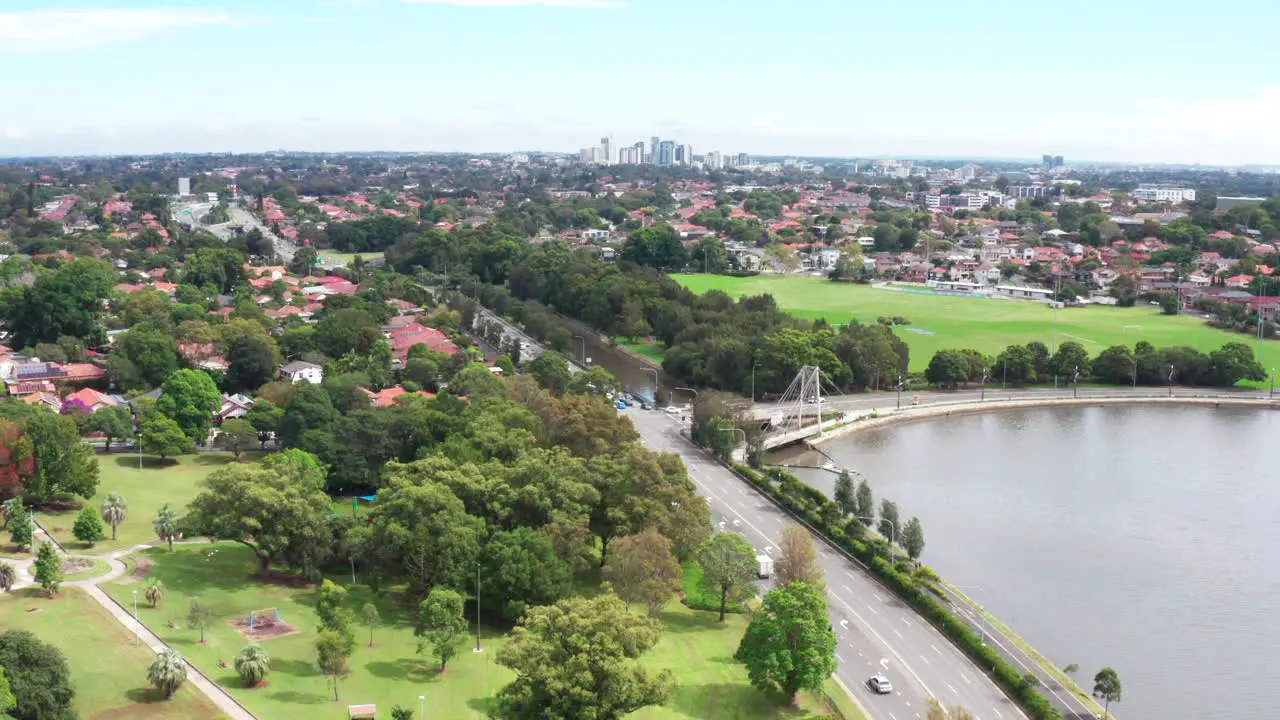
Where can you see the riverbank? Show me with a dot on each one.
(874, 418)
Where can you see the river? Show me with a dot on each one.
(1142, 537)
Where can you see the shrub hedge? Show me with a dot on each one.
(816, 509)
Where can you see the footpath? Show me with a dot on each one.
(225, 703)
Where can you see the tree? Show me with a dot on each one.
(166, 525)
(402, 713)
(8, 576)
(948, 368)
(167, 672)
(253, 663)
(370, 618)
(278, 509)
(64, 464)
(347, 330)
(38, 674)
(113, 422)
(1232, 363)
(7, 698)
(265, 417)
(845, 498)
(332, 651)
(521, 569)
(890, 525)
(190, 398)
(441, 625)
(938, 712)
(21, 529)
(912, 539)
(728, 565)
(48, 568)
(114, 511)
(579, 659)
(594, 381)
(236, 436)
(88, 526)
(789, 645)
(143, 357)
(797, 559)
(1070, 358)
(864, 503)
(1125, 290)
(1115, 365)
(163, 436)
(154, 592)
(254, 359)
(1106, 687)
(334, 616)
(65, 302)
(199, 617)
(1017, 364)
(551, 370)
(642, 569)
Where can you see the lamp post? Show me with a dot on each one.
(1271, 394)
(422, 707)
(744, 439)
(136, 635)
(753, 382)
(982, 617)
(984, 385)
(899, 392)
(893, 529)
(1075, 383)
(691, 390)
(1172, 373)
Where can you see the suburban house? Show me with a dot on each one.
(27, 378)
(93, 399)
(298, 371)
(233, 406)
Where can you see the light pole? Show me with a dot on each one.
(1171, 376)
(753, 382)
(744, 439)
(1075, 384)
(893, 529)
(984, 385)
(136, 635)
(695, 393)
(899, 392)
(422, 707)
(982, 617)
(1271, 394)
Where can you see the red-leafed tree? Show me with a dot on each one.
(17, 459)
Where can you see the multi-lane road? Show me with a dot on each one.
(244, 218)
(877, 633)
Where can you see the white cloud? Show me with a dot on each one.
(589, 4)
(62, 29)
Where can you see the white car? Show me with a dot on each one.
(880, 684)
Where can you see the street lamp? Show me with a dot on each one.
(1075, 383)
(899, 392)
(982, 613)
(136, 635)
(1271, 394)
(753, 382)
(422, 707)
(893, 529)
(695, 393)
(984, 385)
(1172, 373)
(744, 438)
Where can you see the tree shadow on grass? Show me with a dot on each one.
(145, 695)
(296, 668)
(482, 705)
(728, 700)
(302, 698)
(149, 462)
(195, 569)
(697, 621)
(418, 670)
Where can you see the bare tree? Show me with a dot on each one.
(797, 559)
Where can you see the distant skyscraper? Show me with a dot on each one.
(666, 154)
(743, 159)
(1049, 162)
(713, 160)
(607, 149)
(184, 186)
(640, 156)
(684, 154)
(1058, 161)
(654, 142)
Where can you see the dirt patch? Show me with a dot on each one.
(142, 569)
(265, 626)
(286, 579)
(71, 566)
(59, 505)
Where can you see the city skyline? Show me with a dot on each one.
(512, 75)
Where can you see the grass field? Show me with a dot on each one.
(108, 669)
(696, 648)
(146, 490)
(989, 325)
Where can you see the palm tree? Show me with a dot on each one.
(114, 510)
(168, 672)
(7, 576)
(166, 525)
(253, 663)
(154, 592)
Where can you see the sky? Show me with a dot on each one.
(1139, 81)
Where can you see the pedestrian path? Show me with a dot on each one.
(199, 680)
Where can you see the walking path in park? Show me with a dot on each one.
(199, 680)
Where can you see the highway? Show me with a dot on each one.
(245, 219)
(877, 633)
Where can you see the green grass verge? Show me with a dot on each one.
(989, 325)
(651, 350)
(175, 482)
(696, 598)
(1053, 670)
(696, 648)
(108, 667)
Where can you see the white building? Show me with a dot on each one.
(184, 186)
(298, 371)
(608, 150)
(1151, 193)
(713, 160)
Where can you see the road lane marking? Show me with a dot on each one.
(844, 624)
(906, 622)
(839, 659)
(952, 689)
(895, 632)
(877, 597)
(926, 660)
(847, 589)
(873, 610)
(997, 712)
(935, 648)
(966, 678)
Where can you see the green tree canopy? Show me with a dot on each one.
(789, 645)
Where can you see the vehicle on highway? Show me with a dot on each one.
(672, 410)
(765, 570)
(646, 405)
(880, 684)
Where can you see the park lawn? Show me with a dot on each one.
(985, 324)
(652, 350)
(108, 666)
(175, 482)
(697, 649)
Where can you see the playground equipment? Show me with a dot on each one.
(255, 617)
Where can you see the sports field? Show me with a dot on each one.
(989, 325)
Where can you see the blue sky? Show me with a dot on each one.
(1137, 80)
